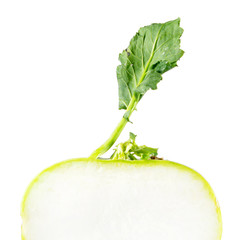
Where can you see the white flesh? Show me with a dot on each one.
(123, 200)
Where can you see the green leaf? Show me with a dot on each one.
(145, 152)
(126, 116)
(132, 136)
(154, 50)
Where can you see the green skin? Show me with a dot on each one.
(109, 163)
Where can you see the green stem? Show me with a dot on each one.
(116, 133)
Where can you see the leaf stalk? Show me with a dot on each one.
(116, 133)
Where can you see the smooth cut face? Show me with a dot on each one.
(87, 199)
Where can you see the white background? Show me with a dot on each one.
(59, 100)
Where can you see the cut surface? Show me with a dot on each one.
(120, 200)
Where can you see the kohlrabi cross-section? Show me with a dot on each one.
(133, 195)
(87, 199)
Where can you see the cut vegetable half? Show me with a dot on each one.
(87, 199)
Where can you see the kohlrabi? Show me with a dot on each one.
(134, 195)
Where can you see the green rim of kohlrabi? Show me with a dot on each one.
(149, 163)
